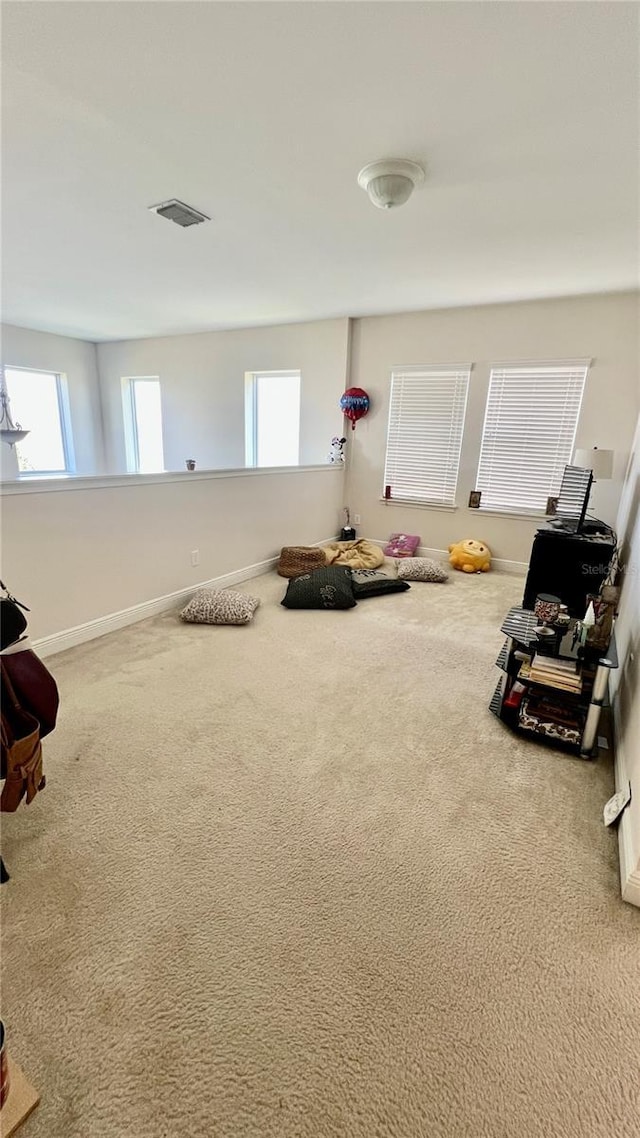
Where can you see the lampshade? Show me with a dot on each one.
(599, 461)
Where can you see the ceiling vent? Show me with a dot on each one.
(177, 211)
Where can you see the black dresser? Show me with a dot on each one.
(569, 565)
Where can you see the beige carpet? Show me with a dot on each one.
(295, 881)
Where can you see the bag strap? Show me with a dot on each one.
(6, 738)
(9, 686)
(8, 733)
(9, 597)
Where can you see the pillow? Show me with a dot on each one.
(360, 554)
(219, 606)
(421, 569)
(376, 582)
(402, 545)
(327, 588)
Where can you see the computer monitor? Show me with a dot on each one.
(574, 497)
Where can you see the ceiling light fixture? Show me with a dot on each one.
(10, 432)
(391, 182)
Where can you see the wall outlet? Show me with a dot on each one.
(356, 518)
(195, 557)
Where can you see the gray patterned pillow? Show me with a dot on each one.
(219, 606)
(421, 569)
(376, 582)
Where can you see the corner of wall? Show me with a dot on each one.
(626, 681)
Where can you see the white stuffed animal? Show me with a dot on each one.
(337, 451)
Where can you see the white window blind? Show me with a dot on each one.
(426, 421)
(529, 433)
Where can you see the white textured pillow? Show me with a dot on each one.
(421, 569)
(219, 606)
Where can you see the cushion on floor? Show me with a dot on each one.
(297, 559)
(361, 554)
(219, 606)
(376, 582)
(421, 569)
(402, 545)
(328, 588)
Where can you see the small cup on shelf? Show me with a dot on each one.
(563, 619)
(544, 632)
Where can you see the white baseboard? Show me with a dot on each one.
(629, 856)
(92, 629)
(517, 567)
(70, 637)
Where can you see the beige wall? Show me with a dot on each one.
(602, 327)
(76, 359)
(202, 383)
(626, 681)
(75, 555)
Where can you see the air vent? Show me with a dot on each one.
(177, 211)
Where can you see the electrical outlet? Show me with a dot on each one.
(195, 557)
(356, 518)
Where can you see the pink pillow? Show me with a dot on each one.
(402, 545)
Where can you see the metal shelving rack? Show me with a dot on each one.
(519, 627)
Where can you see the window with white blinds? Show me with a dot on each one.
(426, 421)
(529, 433)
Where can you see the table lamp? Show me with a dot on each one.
(599, 461)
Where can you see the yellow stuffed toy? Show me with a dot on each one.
(470, 555)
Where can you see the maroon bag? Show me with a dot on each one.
(20, 750)
(34, 687)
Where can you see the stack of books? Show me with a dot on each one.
(546, 715)
(555, 673)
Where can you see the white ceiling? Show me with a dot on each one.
(262, 114)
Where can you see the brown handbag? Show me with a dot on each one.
(21, 750)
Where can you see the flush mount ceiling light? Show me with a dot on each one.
(390, 183)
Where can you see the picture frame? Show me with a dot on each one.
(474, 499)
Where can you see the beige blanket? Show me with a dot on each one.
(360, 554)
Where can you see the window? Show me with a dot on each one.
(426, 421)
(529, 433)
(39, 403)
(143, 424)
(272, 418)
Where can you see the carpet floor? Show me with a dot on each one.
(293, 880)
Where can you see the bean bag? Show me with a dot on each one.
(359, 554)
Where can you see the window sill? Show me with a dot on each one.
(418, 505)
(529, 516)
(66, 482)
(38, 475)
(522, 515)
